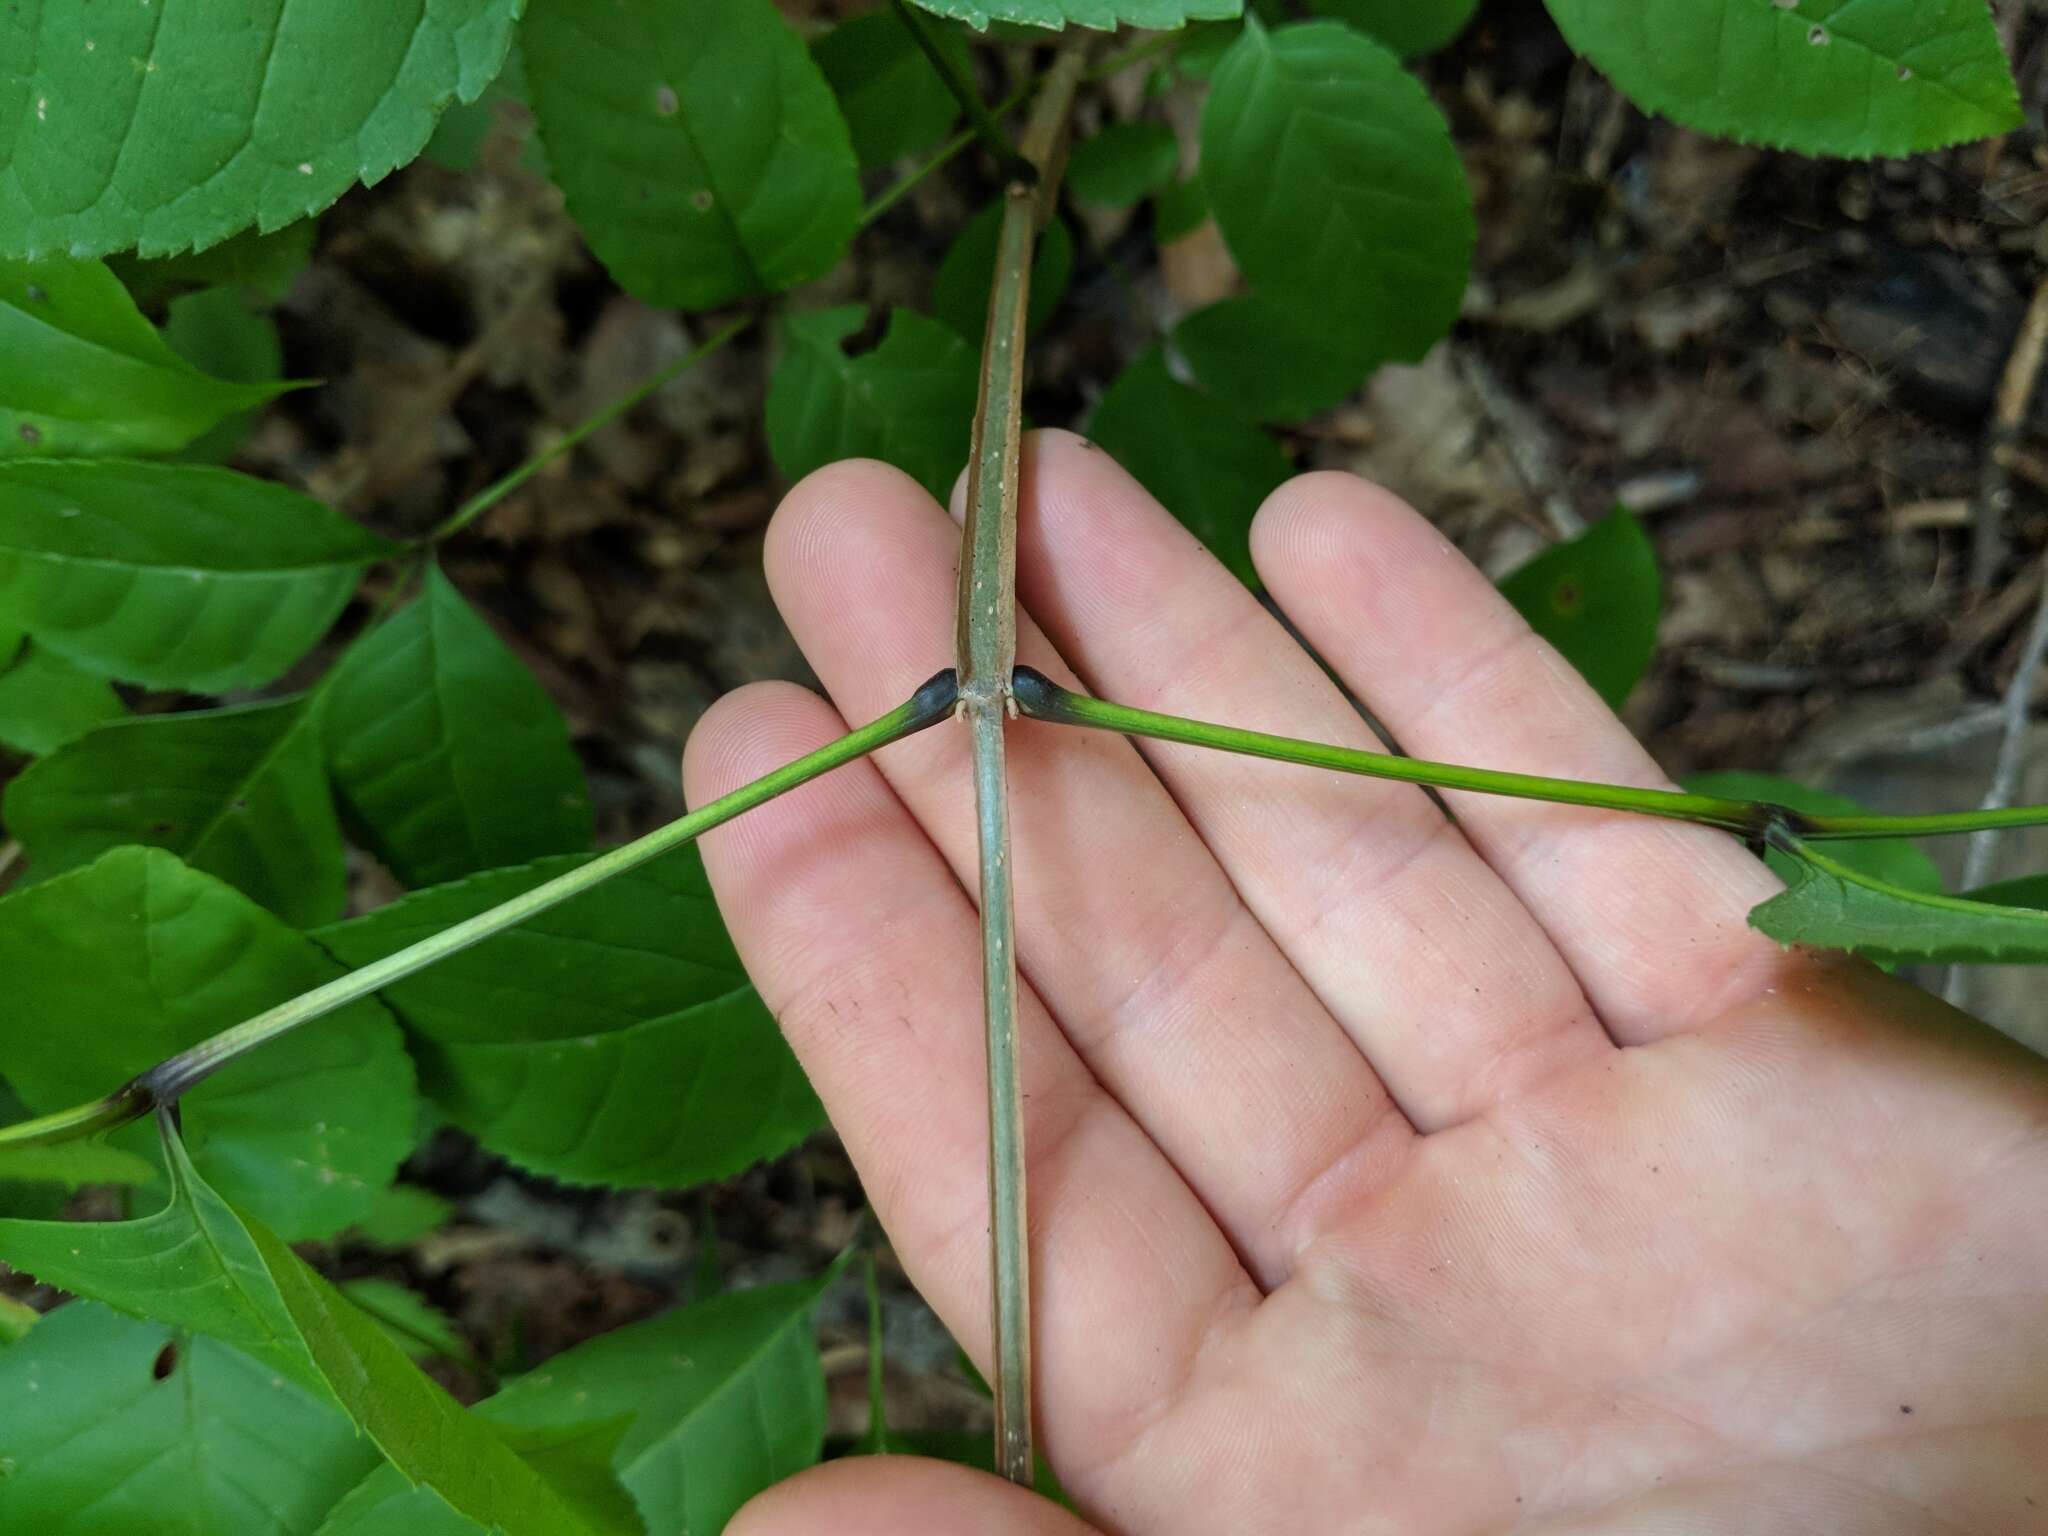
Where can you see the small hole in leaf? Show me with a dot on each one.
(1818, 37)
(36, 293)
(1905, 71)
(31, 433)
(1567, 597)
(665, 101)
(701, 199)
(162, 828)
(166, 1362)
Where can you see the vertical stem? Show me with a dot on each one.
(986, 642)
(986, 128)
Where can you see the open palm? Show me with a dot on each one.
(1388, 1173)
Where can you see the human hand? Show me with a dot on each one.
(1386, 1174)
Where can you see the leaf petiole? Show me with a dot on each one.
(162, 1084)
(1039, 698)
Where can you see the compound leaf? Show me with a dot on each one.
(445, 750)
(1207, 466)
(169, 127)
(172, 575)
(45, 701)
(1409, 27)
(894, 101)
(1596, 597)
(1834, 906)
(1101, 15)
(1824, 77)
(88, 375)
(119, 1427)
(698, 144)
(1337, 188)
(117, 966)
(909, 402)
(1123, 164)
(239, 793)
(546, 1042)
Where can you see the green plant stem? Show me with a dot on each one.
(1138, 53)
(985, 641)
(904, 185)
(603, 417)
(1016, 167)
(1039, 698)
(162, 1084)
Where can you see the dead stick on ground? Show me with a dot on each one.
(2015, 395)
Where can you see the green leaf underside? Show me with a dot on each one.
(86, 374)
(960, 288)
(74, 1163)
(908, 402)
(613, 1039)
(698, 144)
(119, 1427)
(445, 751)
(893, 100)
(45, 701)
(1334, 180)
(239, 793)
(1894, 860)
(1409, 27)
(1209, 467)
(725, 1399)
(175, 576)
(1596, 597)
(1825, 77)
(1832, 906)
(1123, 164)
(1100, 15)
(124, 963)
(1267, 360)
(166, 127)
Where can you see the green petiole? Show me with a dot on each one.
(1039, 698)
(162, 1084)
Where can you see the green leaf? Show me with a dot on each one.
(86, 374)
(1338, 190)
(1833, 906)
(2026, 891)
(73, 1164)
(401, 1215)
(961, 287)
(1102, 15)
(112, 968)
(1825, 77)
(543, 1042)
(409, 1320)
(908, 402)
(263, 266)
(168, 127)
(16, 1319)
(894, 101)
(444, 749)
(1409, 27)
(114, 1427)
(45, 701)
(1180, 210)
(1266, 360)
(222, 331)
(1596, 598)
(240, 793)
(725, 1398)
(1894, 860)
(171, 575)
(696, 141)
(1207, 466)
(1123, 164)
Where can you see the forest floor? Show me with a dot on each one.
(1786, 367)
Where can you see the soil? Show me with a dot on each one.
(1786, 367)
